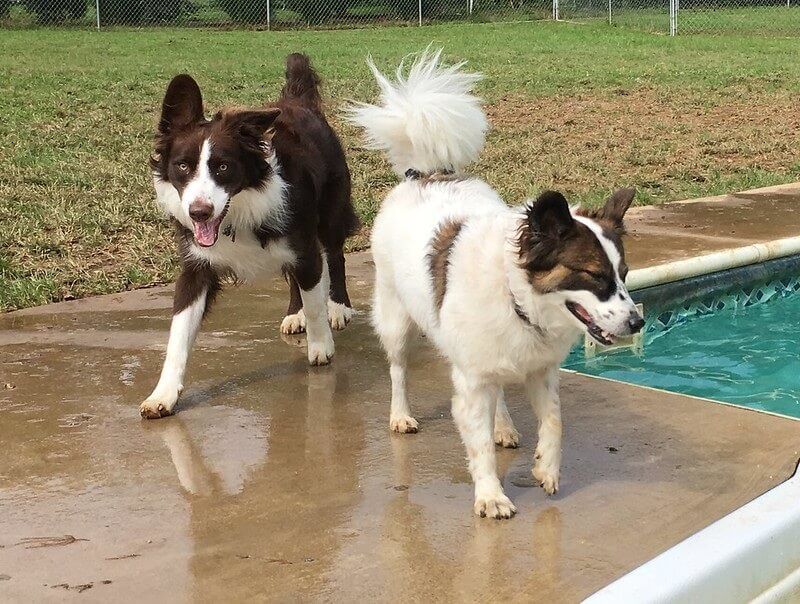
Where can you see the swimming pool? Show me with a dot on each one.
(732, 342)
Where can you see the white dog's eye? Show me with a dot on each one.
(223, 167)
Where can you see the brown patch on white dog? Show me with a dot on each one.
(439, 258)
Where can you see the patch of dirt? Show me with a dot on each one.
(666, 142)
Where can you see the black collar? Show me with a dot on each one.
(524, 316)
(414, 174)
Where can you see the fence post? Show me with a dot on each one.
(609, 12)
(555, 10)
(673, 17)
(420, 13)
(97, 11)
(472, 1)
(269, 16)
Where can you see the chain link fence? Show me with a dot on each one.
(264, 14)
(663, 16)
(769, 17)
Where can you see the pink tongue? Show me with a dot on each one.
(583, 313)
(205, 233)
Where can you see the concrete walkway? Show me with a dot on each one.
(277, 482)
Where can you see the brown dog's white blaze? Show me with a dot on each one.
(562, 252)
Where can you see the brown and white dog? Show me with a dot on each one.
(253, 192)
(503, 293)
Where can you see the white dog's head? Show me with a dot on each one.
(577, 259)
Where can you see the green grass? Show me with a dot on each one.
(580, 107)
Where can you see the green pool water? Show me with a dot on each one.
(747, 356)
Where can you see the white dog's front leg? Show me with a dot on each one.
(182, 333)
(318, 330)
(542, 389)
(473, 411)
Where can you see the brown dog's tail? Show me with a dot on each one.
(302, 82)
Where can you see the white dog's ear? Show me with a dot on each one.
(616, 206)
(549, 216)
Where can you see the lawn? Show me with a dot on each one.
(581, 107)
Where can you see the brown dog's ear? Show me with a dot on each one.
(549, 216)
(616, 206)
(254, 124)
(183, 104)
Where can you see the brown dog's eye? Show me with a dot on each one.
(183, 166)
(223, 167)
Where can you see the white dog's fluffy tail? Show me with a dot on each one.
(428, 120)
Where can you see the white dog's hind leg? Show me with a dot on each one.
(182, 334)
(505, 434)
(393, 326)
(542, 389)
(473, 411)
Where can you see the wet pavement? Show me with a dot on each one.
(675, 231)
(279, 482)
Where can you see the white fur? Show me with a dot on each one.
(295, 323)
(477, 328)
(339, 315)
(202, 187)
(420, 121)
(318, 330)
(182, 334)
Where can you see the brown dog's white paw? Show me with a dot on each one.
(321, 353)
(404, 425)
(295, 323)
(155, 409)
(339, 315)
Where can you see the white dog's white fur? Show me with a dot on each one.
(430, 121)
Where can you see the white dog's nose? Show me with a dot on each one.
(635, 322)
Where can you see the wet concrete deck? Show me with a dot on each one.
(277, 482)
(675, 231)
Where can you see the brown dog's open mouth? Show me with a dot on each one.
(593, 328)
(206, 233)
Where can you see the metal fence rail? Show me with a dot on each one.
(664, 16)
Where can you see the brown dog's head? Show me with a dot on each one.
(579, 259)
(208, 161)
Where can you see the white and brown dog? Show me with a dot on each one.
(503, 293)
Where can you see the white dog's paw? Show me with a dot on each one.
(546, 477)
(403, 425)
(321, 353)
(506, 436)
(339, 315)
(156, 407)
(496, 505)
(295, 323)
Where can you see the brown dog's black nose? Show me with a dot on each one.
(635, 322)
(200, 211)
